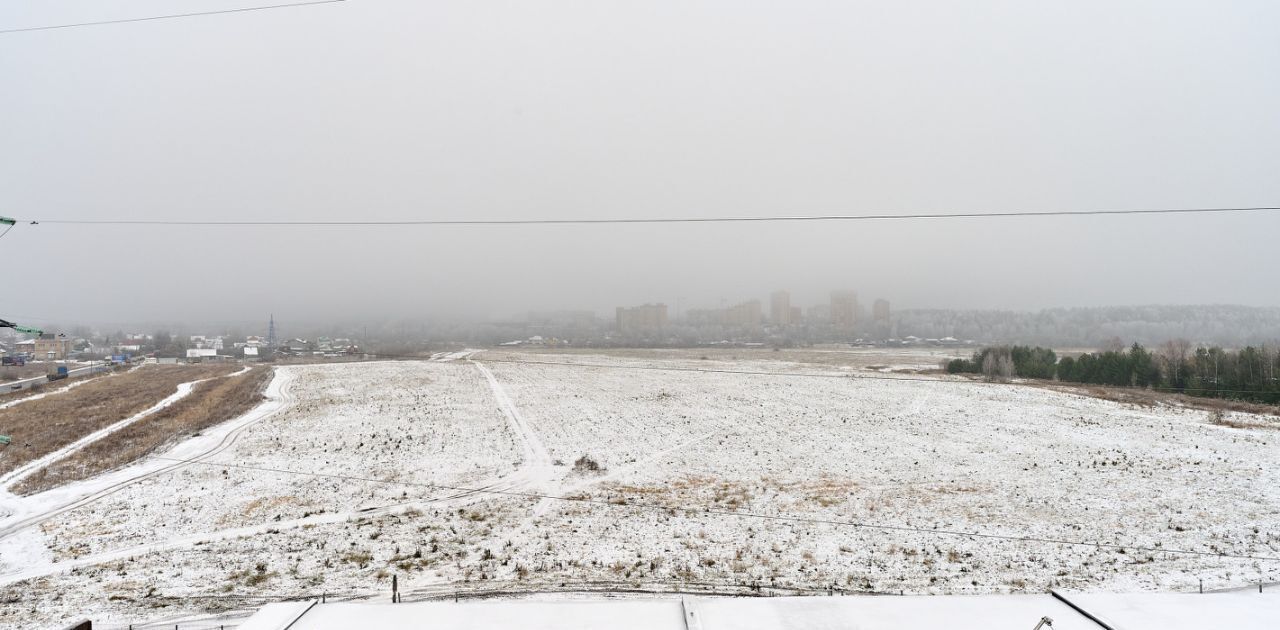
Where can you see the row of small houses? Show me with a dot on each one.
(292, 347)
(202, 348)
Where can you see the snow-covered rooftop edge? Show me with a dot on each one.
(1064, 611)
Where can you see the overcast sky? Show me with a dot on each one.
(397, 109)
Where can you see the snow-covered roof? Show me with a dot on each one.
(989, 612)
(276, 616)
(1168, 611)
(1182, 611)
(475, 615)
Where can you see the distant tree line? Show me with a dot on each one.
(1249, 373)
(1008, 361)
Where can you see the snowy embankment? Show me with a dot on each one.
(371, 469)
(25, 553)
(11, 478)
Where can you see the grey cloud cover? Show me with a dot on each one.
(392, 109)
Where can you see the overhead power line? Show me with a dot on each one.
(734, 513)
(633, 220)
(169, 16)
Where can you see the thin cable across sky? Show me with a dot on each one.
(635, 220)
(167, 17)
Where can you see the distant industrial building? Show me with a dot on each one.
(780, 308)
(844, 310)
(643, 319)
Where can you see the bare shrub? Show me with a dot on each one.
(998, 364)
(1218, 416)
(586, 464)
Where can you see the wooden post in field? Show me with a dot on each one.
(395, 586)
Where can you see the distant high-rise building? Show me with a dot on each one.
(747, 314)
(797, 316)
(819, 314)
(880, 312)
(643, 319)
(844, 310)
(780, 308)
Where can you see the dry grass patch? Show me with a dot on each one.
(42, 426)
(21, 372)
(1150, 398)
(9, 395)
(1220, 418)
(210, 403)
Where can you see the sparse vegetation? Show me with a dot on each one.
(359, 558)
(250, 577)
(586, 464)
(211, 403)
(42, 426)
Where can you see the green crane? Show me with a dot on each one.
(4, 323)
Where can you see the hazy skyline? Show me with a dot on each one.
(398, 110)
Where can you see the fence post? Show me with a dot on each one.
(1201, 587)
(395, 587)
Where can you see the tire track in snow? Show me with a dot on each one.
(539, 474)
(196, 539)
(536, 455)
(26, 470)
(537, 471)
(46, 505)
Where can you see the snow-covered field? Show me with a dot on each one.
(357, 471)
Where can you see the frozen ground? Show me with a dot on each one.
(354, 472)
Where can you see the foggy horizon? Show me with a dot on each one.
(391, 110)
